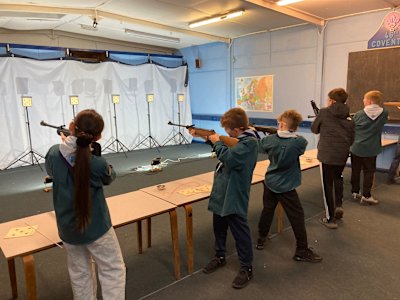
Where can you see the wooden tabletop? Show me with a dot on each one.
(131, 207)
(386, 142)
(30, 244)
(124, 209)
(171, 192)
(209, 177)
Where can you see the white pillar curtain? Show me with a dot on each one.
(51, 83)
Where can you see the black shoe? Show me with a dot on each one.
(260, 243)
(339, 212)
(242, 278)
(214, 264)
(331, 224)
(307, 255)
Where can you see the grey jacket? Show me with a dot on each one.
(336, 130)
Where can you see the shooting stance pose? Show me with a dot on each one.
(229, 197)
(281, 179)
(83, 219)
(336, 134)
(367, 145)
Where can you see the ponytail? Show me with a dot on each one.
(88, 125)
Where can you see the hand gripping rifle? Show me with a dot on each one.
(205, 133)
(96, 147)
(315, 109)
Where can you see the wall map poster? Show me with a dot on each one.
(254, 93)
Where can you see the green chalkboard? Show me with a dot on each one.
(374, 70)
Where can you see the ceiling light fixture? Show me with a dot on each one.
(217, 19)
(152, 36)
(88, 27)
(287, 2)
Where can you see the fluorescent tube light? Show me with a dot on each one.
(88, 27)
(152, 36)
(217, 19)
(286, 2)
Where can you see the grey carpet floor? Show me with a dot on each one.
(360, 259)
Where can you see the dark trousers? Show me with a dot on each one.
(368, 166)
(241, 233)
(291, 204)
(395, 163)
(332, 181)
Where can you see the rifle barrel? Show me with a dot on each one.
(43, 123)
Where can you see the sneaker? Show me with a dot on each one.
(214, 264)
(369, 200)
(242, 278)
(307, 255)
(355, 196)
(339, 212)
(260, 243)
(328, 224)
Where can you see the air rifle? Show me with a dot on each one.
(264, 129)
(205, 133)
(60, 128)
(96, 147)
(315, 109)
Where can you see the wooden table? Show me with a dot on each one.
(171, 194)
(26, 246)
(386, 143)
(124, 209)
(136, 206)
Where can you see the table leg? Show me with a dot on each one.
(148, 232)
(13, 277)
(30, 277)
(139, 236)
(189, 237)
(175, 243)
(280, 222)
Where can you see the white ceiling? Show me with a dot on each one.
(171, 17)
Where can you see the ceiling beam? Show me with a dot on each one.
(108, 15)
(289, 12)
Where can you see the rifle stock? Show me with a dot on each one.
(205, 133)
(264, 129)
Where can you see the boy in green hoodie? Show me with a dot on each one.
(283, 176)
(367, 145)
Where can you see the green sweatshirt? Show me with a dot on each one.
(367, 142)
(63, 198)
(283, 173)
(232, 178)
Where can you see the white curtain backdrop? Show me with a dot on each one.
(50, 83)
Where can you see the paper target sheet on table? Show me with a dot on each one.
(21, 231)
(196, 190)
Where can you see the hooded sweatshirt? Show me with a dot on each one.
(336, 130)
(369, 125)
(59, 160)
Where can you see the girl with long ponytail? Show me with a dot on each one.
(83, 219)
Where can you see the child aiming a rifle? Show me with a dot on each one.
(367, 145)
(229, 197)
(282, 177)
(336, 134)
(82, 215)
